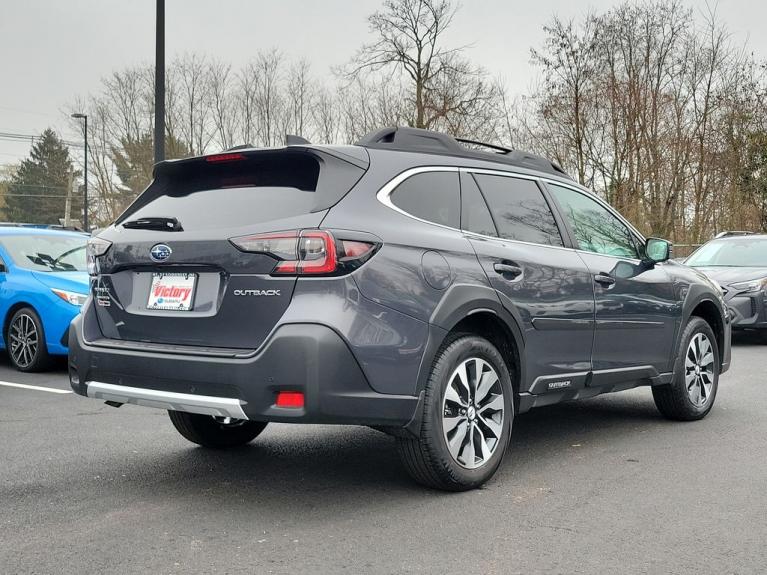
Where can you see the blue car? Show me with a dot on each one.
(43, 283)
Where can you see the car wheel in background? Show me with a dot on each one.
(215, 432)
(25, 341)
(467, 417)
(691, 394)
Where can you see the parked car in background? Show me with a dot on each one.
(43, 283)
(738, 262)
(409, 283)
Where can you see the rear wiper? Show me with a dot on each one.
(156, 224)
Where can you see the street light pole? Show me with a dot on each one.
(159, 84)
(85, 171)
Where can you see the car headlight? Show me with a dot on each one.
(77, 299)
(750, 286)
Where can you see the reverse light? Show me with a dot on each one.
(290, 399)
(308, 252)
(74, 298)
(94, 249)
(750, 286)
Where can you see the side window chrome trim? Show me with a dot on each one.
(384, 196)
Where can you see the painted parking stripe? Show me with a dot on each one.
(34, 387)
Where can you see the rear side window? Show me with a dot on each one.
(475, 216)
(519, 210)
(431, 196)
(259, 187)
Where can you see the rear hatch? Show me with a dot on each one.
(172, 276)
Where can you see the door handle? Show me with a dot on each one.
(508, 270)
(604, 279)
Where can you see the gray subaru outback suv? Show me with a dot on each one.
(412, 283)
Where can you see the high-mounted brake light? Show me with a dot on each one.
(224, 158)
(308, 252)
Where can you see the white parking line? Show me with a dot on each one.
(34, 387)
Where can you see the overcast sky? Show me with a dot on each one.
(54, 50)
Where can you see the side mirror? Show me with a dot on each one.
(657, 250)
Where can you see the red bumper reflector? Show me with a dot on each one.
(292, 399)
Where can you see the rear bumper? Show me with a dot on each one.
(309, 358)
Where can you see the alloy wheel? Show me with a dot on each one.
(699, 369)
(24, 340)
(473, 413)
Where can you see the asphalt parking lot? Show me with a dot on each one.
(598, 486)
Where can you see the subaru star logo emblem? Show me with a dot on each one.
(160, 252)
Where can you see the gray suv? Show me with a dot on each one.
(413, 283)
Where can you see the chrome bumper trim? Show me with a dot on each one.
(203, 404)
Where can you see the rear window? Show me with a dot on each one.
(261, 187)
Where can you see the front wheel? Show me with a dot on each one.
(25, 340)
(215, 432)
(691, 394)
(467, 417)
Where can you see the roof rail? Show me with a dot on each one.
(498, 149)
(732, 233)
(419, 140)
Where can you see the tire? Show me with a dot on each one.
(215, 432)
(465, 465)
(692, 393)
(25, 341)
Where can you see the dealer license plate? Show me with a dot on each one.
(172, 291)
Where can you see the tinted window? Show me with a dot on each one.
(737, 253)
(260, 187)
(475, 217)
(431, 196)
(596, 229)
(47, 253)
(519, 210)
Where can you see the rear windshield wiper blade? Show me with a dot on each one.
(156, 224)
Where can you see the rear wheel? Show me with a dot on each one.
(691, 394)
(468, 412)
(25, 341)
(216, 432)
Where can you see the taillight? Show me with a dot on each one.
(94, 249)
(308, 252)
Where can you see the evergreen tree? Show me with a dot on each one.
(134, 162)
(37, 191)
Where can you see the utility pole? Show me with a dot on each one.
(159, 84)
(68, 203)
(80, 116)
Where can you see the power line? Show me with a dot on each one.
(10, 183)
(16, 137)
(33, 195)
